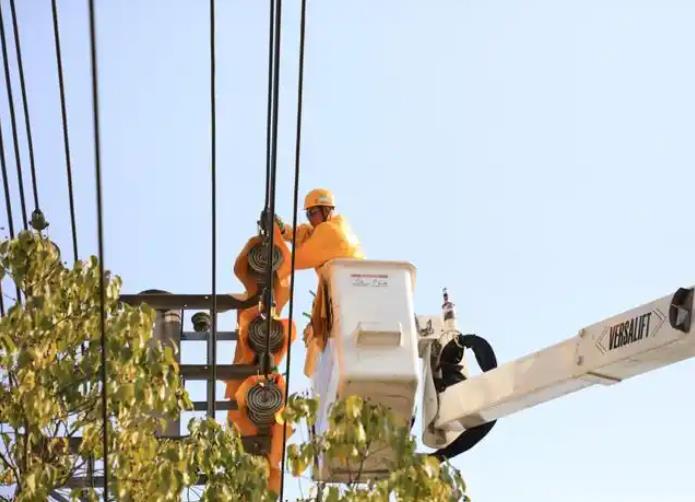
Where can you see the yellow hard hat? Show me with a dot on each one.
(319, 197)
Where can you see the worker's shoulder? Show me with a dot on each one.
(336, 225)
(339, 221)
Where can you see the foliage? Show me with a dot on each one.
(51, 412)
(359, 432)
(50, 364)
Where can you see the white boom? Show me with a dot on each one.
(375, 339)
(653, 335)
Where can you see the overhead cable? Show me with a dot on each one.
(66, 138)
(295, 204)
(271, 33)
(213, 147)
(270, 209)
(8, 202)
(13, 118)
(25, 104)
(100, 232)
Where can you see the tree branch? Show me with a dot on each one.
(25, 454)
(10, 466)
(364, 457)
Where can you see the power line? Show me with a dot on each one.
(270, 211)
(271, 31)
(8, 207)
(6, 185)
(22, 84)
(8, 200)
(68, 165)
(297, 158)
(13, 118)
(64, 115)
(213, 145)
(100, 232)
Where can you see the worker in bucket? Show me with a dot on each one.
(325, 237)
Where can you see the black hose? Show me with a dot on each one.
(485, 356)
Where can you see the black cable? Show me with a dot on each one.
(6, 185)
(297, 158)
(271, 31)
(25, 104)
(8, 207)
(13, 118)
(213, 331)
(100, 232)
(8, 201)
(271, 193)
(68, 165)
(66, 139)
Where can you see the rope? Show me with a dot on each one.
(66, 139)
(13, 118)
(100, 232)
(297, 157)
(270, 213)
(213, 331)
(25, 104)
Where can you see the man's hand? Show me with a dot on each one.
(264, 220)
(280, 224)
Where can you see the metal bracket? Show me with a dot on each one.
(680, 312)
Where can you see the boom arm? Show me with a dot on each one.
(642, 339)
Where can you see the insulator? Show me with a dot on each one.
(258, 258)
(264, 400)
(448, 308)
(258, 333)
(38, 221)
(201, 322)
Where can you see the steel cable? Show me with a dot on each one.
(297, 158)
(25, 104)
(13, 118)
(213, 145)
(271, 32)
(64, 117)
(100, 232)
(270, 210)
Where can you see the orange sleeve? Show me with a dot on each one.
(304, 231)
(323, 245)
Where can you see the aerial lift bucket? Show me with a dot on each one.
(370, 350)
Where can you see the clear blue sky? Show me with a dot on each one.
(534, 157)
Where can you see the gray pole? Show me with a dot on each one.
(167, 330)
(211, 356)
